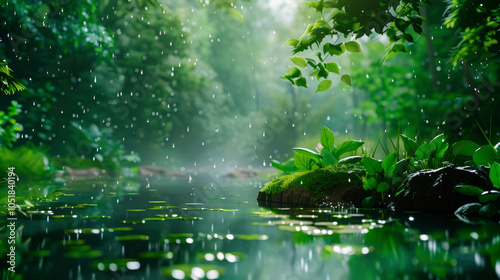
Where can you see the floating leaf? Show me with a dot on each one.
(324, 85)
(353, 46)
(135, 237)
(346, 79)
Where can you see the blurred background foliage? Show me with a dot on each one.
(179, 83)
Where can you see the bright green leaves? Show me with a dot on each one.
(372, 166)
(469, 190)
(292, 42)
(324, 85)
(434, 149)
(353, 46)
(332, 67)
(299, 61)
(327, 139)
(9, 84)
(326, 154)
(410, 145)
(485, 155)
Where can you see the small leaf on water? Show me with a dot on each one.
(299, 61)
(324, 85)
(346, 79)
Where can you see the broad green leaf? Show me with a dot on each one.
(301, 82)
(327, 158)
(294, 72)
(290, 166)
(410, 145)
(437, 141)
(276, 164)
(292, 42)
(495, 174)
(484, 156)
(353, 46)
(439, 146)
(497, 147)
(299, 61)
(464, 147)
(469, 190)
(332, 67)
(348, 146)
(372, 166)
(369, 183)
(352, 160)
(388, 162)
(319, 23)
(423, 152)
(301, 162)
(324, 85)
(307, 153)
(383, 187)
(236, 15)
(327, 139)
(346, 79)
(488, 196)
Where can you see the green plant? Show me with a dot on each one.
(9, 127)
(288, 167)
(489, 200)
(481, 155)
(384, 178)
(30, 162)
(8, 84)
(326, 154)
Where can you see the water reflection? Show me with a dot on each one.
(130, 231)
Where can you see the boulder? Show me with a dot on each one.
(432, 191)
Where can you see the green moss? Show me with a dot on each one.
(317, 180)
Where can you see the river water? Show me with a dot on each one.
(210, 227)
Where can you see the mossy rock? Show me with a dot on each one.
(332, 185)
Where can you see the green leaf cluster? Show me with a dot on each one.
(489, 200)
(9, 127)
(9, 84)
(326, 154)
(355, 18)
